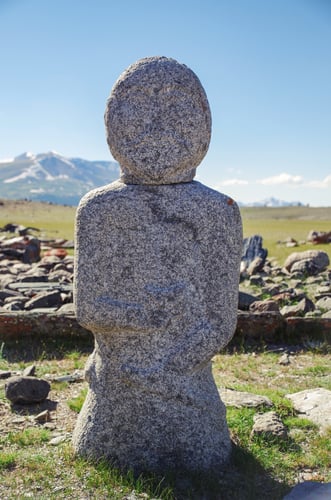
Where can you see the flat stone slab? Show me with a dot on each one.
(40, 286)
(310, 490)
(240, 399)
(314, 404)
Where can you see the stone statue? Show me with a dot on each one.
(157, 271)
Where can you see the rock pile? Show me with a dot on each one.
(301, 288)
(46, 284)
(272, 298)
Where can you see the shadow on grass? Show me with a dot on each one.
(35, 408)
(41, 348)
(243, 478)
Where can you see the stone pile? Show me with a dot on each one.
(301, 288)
(46, 284)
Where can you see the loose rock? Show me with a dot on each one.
(314, 404)
(26, 390)
(310, 490)
(269, 424)
(239, 399)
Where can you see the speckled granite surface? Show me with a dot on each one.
(156, 282)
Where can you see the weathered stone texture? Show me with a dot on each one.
(158, 122)
(161, 255)
(26, 390)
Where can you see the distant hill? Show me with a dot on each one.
(272, 202)
(52, 177)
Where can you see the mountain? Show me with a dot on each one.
(272, 202)
(52, 177)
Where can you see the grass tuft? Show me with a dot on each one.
(76, 403)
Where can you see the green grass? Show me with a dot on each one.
(7, 460)
(76, 403)
(29, 437)
(277, 224)
(263, 467)
(54, 221)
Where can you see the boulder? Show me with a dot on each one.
(300, 309)
(26, 390)
(318, 237)
(324, 303)
(45, 299)
(245, 300)
(253, 255)
(264, 306)
(310, 262)
(310, 490)
(314, 404)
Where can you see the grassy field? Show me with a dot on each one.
(273, 224)
(31, 466)
(277, 224)
(54, 221)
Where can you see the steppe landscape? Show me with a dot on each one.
(36, 458)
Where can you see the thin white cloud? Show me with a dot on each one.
(233, 182)
(281, 179)
(325, 183)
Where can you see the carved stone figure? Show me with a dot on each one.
(157, 271)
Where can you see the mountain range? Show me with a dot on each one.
(52, 177)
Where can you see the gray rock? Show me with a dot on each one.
(43, 417)
(324, 303)
(161, 255)
(76, 376)
(48, 262)
(253, 255)
(310, 490)
(240, 399)
(284, 360)
(308, 262)
(26, 390)
(16, 298)
(272, 289)
(29, 371)
(264, 306)
(245, 300)
(255, 266)
(58, 440)
(5, 294)
(61, 276)
(300, 309)
(314, 404)
(66, 309)
(14, 305)
(256, 280)
(44, 299)
(269, 425)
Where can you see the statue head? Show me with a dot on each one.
(158, 122)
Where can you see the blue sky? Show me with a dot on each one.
(265, 65)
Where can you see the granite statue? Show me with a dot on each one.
(156, 281)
